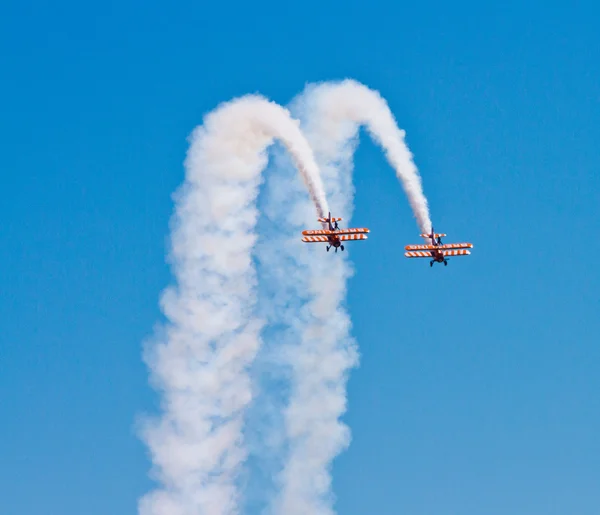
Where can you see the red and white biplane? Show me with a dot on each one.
(333, 236)
(437, 251)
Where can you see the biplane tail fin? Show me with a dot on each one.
(433, 235)
(328, 219)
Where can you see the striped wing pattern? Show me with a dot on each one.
(418, 254)
(446, 246)
(325, 220)
(315, 239)
(339, 233)
(324, 239)
(427, 254)
(353, 237)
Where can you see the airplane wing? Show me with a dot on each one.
(326, 232)
(322, 232)
(325, 220)
(428, 254)
(418, 254)
(456, 252)
(324, 239)
(420, 247)
(315, 239)
(446, 246)
(441, 235)
(361, 230)
(353, 237)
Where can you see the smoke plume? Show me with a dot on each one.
(335, 111)
(200, 360)
(322, 352)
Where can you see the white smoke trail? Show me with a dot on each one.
(200, 362)
(305, 297)
(337, 109)
(324, 351)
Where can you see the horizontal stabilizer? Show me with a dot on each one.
(441, 235)
(440, 247)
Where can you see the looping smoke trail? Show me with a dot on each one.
(314, 347)
(337, 109)
(325, 352)
(200, 363)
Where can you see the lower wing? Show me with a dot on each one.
(456, 252)
(426, 254)
(418, 254)
(315, 239)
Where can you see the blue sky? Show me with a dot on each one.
(478, 387)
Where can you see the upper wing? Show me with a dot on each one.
(440, 247)
(315, 239)
(326, 232)
(353, 237)
(429, 254)
(317, 232)
(360, 230)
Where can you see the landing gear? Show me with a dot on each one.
(328, 247)
(445, 263)
(342, 247)
(431, 263)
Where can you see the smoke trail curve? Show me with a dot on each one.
(199, 360)
(335, 111)
(320, 362)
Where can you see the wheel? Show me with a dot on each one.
(327, 249)
(431, 263)
(445, 263)
(342, 247)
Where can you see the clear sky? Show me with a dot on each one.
(478, 390)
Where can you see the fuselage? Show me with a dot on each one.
(334, 240)
(436, 254)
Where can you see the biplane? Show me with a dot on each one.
(437, 251)
(333, 235)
